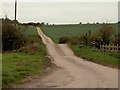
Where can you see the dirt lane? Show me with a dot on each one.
(73, 72)
(82, 73)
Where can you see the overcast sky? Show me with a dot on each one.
(62, 12)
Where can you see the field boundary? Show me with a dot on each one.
(114, 48)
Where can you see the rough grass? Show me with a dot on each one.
(16, 66)
(58, 31)
(95, 55)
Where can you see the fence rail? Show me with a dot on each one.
(114, 48)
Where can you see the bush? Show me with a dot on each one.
(106, 32)
(63, 40)
(11, 38)
(94, 37)
(31, 48)
(76, 40)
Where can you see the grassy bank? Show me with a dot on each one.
(25, 62)
(95, 55)
(17, 66)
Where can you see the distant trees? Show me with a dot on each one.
(80, 23)
(36, 24)
(42, 23)
(47, 24)
(88, 23)
(97, 22)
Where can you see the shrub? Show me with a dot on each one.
(76, 40)
(117, 39)
(106, 32)
(11, 38)
(31, 48)
(63, 40)
(94, 37)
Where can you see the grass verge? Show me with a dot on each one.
(95, 55)
(29, 60)
(17, 66)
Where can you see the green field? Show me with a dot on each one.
(26, 62)
(57, 31)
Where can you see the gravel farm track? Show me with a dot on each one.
(72, 71)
